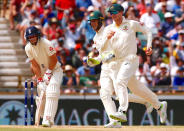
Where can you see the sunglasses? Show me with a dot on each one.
(112, 13)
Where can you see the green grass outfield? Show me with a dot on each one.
(92, 128)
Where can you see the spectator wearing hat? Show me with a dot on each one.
(180, 15)
(150, 19)
(47, 15)
(168, 24)
(69, 79)
(163, 78)
(52, 30)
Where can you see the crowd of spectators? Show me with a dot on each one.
(65, 24)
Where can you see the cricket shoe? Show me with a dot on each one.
(119, 116)
(113, 124)
(163, 112)
(149, 107)
(47, 123)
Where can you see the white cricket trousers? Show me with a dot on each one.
(114, 77)
(117, 76)
(52, 95)
(126, 77)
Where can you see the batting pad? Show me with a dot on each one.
(52, 95)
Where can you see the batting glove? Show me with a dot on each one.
(107, 56)
(41, 84)
(47, 76)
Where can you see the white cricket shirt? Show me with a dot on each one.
(41, 53)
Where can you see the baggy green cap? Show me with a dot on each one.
(96, 15)
(115, 8)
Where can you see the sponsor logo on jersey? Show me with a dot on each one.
(125, 27)
(51, 49)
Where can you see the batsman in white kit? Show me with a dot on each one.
(48, 72)
(117, 51)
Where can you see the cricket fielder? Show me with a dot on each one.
(122, 36)
(106, 79)
(47, 70)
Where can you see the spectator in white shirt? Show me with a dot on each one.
(150, 19)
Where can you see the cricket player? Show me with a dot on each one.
(122, 36)
(107, 79)
(47, 70)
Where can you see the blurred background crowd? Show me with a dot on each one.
(65, 24)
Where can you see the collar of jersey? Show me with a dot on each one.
(124, 21)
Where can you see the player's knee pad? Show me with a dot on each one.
(53, 91)
(104, 94)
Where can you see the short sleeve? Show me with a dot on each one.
(28, 52)
(48, 47)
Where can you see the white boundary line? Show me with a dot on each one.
(90, 97)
